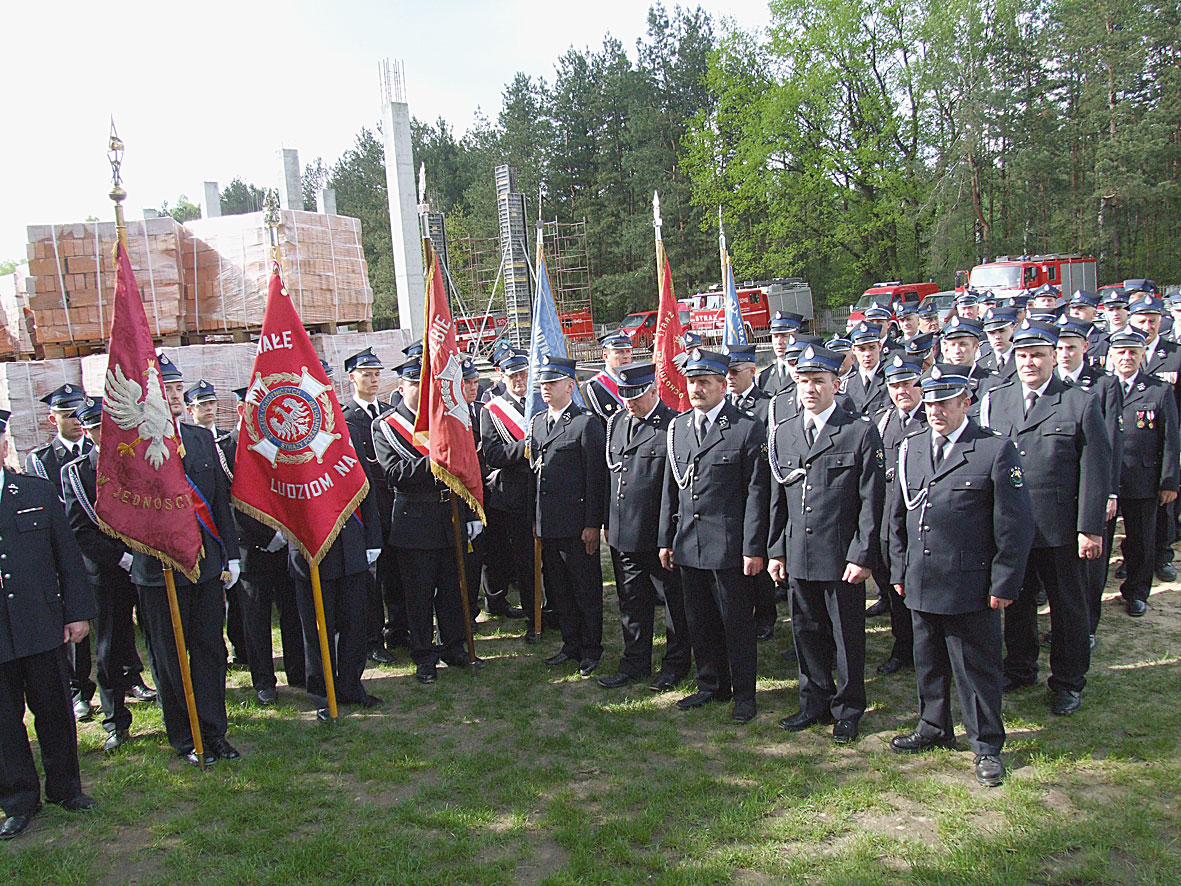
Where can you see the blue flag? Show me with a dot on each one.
(546, 338)
(735, 329)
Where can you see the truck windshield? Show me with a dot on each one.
(631, 321)
(995, 277)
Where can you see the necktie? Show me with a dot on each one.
(809, 432)
(632, 426)
(373, 410)
(937, 452)
(702, 427)
(1030, 399)
(549, 422)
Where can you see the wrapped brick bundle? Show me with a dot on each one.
(22, 385)
(387, 345)
(15, 340)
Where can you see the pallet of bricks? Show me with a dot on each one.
(226, 264)
(15, 341)
(22, 385)
(72, 280)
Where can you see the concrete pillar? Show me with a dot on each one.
(404, 226)
(290, 182)
(212, 200)
(328, 201)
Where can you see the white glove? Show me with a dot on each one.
(474, 528)
(371, 555)
(125, 562)
(277, 543)
(234, 568)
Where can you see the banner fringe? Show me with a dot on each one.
(459, 488)
(192, 575)
(275, 524)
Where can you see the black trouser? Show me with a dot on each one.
(967, 645)
(1141, 520)
(1166, 524)
(430, 579)
(202, 613)
(719, 609)
(473, 567)
(900, 620)
(266, 584)
(79, 657)
(574, 584)
(828, 625)
(392, 594)
(42, 681)
(233, 620)
(510, 543)
(765, 612)
(1095, 577)
(113, 635)
(640, 582)
(344, 624)
(1060, 572)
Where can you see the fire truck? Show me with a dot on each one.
(1010, 274)
(758, 302)
(477, 332)
(894, 291)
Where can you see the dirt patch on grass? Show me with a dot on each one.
(547, 858)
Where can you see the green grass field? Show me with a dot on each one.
(518, 773)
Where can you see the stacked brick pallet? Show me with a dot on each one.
(22, 385)
(15, 341)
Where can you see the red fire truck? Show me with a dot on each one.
(578, 326)
(1010, 274)
(476, 332)
(757, 301)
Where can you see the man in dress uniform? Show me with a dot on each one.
(960, 342)
(637, 450)
(1149, 472)
(1115, 315)
(928, 314)
(904, 416)
(421, 530)
(786, 403)
(865, 388)
(45, 602)
(108, 565)
(777, 376)
(713, 529)
(999, 326)
(264, 584)
(509, 492)
(477, 549)
(967, 305)
(364, 371)
(202, 604)
(500, 353)
(47, 462)
(567, 453)
(1065, 450)
(602, 390)
(826, 511)
(906, 313)
(960, 531)
(921, 349)
(201, 405)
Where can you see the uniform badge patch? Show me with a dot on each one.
(881, 458)
(1016, 478)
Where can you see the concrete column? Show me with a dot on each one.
(328, 201)
(404, 226)
(290, 182)
(212, 200)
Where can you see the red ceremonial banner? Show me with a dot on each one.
(444, 418)
(295, 468)
(669, 348)
(144, 497)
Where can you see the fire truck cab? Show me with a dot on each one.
(1010, 274)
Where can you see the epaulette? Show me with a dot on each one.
(916, 432)
(863, 417)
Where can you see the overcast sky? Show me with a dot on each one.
(211, 90)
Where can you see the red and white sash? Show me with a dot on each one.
(399, 431)
(507, 418)
(610, 384)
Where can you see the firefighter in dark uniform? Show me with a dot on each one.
(777, 377)
(999, 325)
(108, 566)
(960, 344)
(47, 462)
(201, 404)
(602, 390)
(637, 449)
(509, 494)
(1065, 451)
(44, 600)
(202, 604)
(1149, 472)
(786, 403)
(903, 417)
(567, 451)
(500, 354)
(421, 530)
(364, 372)
(928, 314)
(713, 530)
(264, 584)
(477, 543)
(826, 512)
(960, 531)
(865, 388)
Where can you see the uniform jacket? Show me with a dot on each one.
(783, 406)
(100, 552)
(826, 501)
(637, 449)
(773, 379)
(420, 517)
(713, 510)
(203, 467)
(1150, 439)
(47, 461)
(360, 423)
(361, 532)
(1110, 395)
(599, 400)
(1065, 455)
(510, 479)
(755, 402)
(254, 536)
(865, 400)
(990, 360)
(892, 431)
(43, 584)
(571, 473)
(962, 533)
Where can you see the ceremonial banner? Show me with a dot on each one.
(546, 338)
(735, 328)
(144, 497)
(668, 351)
(444, 420)
(295, 467)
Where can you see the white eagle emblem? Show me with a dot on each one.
(151, 419)
(289, 418)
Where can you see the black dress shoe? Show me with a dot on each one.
(1013, 683)
(620, 679)
(1040, 598)
(381, 656)
(844, 731)
(1121, 571)
(323, 715)
(115, 740)
(506, 611)
(587, 666)
(223, 750)
(892, 666)
(192, 760)
(882, 607)
(700, 699)
(1093, 641)
(456, 659)
(765, 633)
(394, 639)
(744, 711)
(664, 682)
(143, 692)
(15, 825)
(1137, 608)
(1166, 572)
(370, 701)
(532, 637)
(1065, 702)
(990, 771)
(560, 658)
(267, 696)
(80, 803)
(913, 743)
(426, 673)
(82, 711)
(799, 720)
